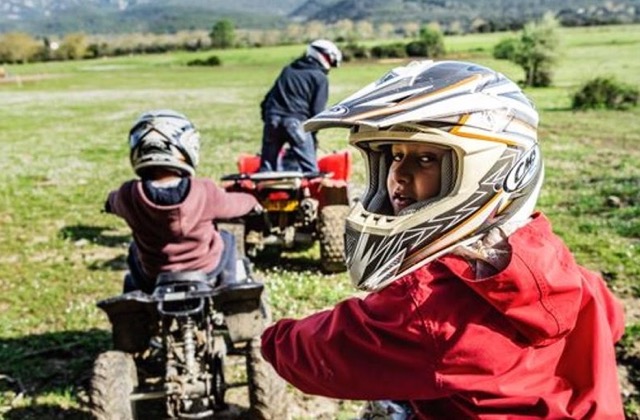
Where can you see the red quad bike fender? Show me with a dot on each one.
(328, 190)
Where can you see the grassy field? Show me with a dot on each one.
(63, 133)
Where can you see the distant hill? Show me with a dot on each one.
(57, 17)
(446, 11)
(45, 17)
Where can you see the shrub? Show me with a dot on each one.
(396, 50)
(433, 42)
(505, 49)
(605, 93)
(417, 49)
(213, 60)
(353, 51)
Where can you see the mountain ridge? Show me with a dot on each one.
(47, 17)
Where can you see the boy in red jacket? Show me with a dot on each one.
(171, 212)
(476, 309)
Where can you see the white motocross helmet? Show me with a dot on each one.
(491, 174)
(326, 52)
(164, 139)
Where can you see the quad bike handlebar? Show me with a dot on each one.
(275, 175)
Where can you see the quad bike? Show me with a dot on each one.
(175, 344)
(300, 208)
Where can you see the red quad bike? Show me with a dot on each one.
(300, 208)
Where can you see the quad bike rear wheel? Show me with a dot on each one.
(331, 225)
(113, 380)
(267, 390)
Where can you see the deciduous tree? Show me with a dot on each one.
(536, 51)
(18, 47)
(223, 34)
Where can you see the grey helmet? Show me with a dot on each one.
(492, 175)
(325, 52)
(164, 139)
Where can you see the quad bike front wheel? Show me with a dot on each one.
(267, 390)
(331, 227)
(113, 380)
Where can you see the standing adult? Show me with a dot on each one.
(300, 92)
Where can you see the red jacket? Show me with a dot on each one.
(181, 236)
(535, 340)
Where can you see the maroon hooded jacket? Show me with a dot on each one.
(181, 236)
(535, 340)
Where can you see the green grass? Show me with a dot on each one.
(63, 134)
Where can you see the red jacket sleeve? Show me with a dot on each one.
(115, 198)
(227, 205)
(361, 349)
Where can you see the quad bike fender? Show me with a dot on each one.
(241, 305)
(331, 192)
(337, 163)
(134, 320)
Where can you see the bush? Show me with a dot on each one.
(505, 49)
(353, 51)
(212, 61)
(605, 93)
(396, 50)
(417, 49)
(432, 41)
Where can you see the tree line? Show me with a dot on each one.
(21, 47)
(533, 48)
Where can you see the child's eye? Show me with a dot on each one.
(426, 158)
(396, 157)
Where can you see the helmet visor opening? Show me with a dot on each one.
(406, 176)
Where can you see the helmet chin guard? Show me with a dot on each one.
(493, 174)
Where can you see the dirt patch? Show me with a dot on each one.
(19, 80)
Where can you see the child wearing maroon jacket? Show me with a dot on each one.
(476, 309)
(170, 212)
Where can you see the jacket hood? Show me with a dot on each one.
(308, 63)
(539, 291)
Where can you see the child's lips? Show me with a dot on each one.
(401, 201)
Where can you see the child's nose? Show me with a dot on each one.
(403, 170)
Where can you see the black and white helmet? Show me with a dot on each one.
(325, 52)
(491, 174)
(164, 139)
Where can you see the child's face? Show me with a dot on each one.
(414, 174)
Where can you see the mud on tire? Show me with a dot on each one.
(114, 378)
(267, 390)
(331, 230)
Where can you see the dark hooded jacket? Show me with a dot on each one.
(535, 340)
(300, 91)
